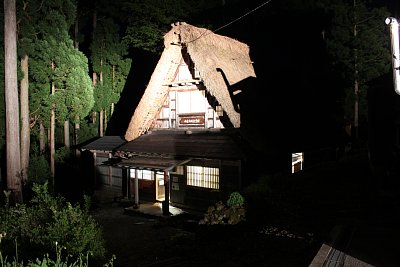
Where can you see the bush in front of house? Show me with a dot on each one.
(235, 199)
(47, 220)
(232, 213)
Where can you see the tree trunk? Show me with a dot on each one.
(113, 82)
(52, 136)
(94, 74)
(356, 85)
(76, 130)
(13, 154)
(94, 81)
(76, 125)
(42, 142)
(101, 121)
(105, 122)
(101, 114)
(356, 108)
(25, 129)
(101, 71)
(52, 144)
(66, 134)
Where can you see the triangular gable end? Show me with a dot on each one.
(188, 104)
(177, 94)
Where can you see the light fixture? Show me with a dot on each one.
(394, 32)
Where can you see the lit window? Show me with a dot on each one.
(142, 174)
(297, 162)
(203, 177)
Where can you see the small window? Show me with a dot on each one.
(178, 170)
(142, 174)
(203, 177)
(297, 161)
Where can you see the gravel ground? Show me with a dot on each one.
(139, 240)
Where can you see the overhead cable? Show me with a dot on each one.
(206, 32)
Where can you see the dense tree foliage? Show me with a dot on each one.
(74, 92)
(53, 45)
(152, 18)
(359, 46)
(108, 58)
(60, 87)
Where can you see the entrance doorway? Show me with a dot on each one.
(160, 186)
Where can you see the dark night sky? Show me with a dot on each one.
(292, 94)
(296, 94)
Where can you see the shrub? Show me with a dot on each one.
(47, 261)
(235, 199)
(231, 214)
(39, 169)
(47, 220)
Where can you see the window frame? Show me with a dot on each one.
(203, 177)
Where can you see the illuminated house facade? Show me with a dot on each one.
(183, 143)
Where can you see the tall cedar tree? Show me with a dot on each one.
(108, 60)
(358, 44)
(55, 63)
(25, 31)
(2, 107)
(14, 181)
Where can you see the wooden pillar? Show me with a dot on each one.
(94, 170)
(126, 192)
(136, 189)
(165, 204)
(110, 173)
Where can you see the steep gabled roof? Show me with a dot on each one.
(212, 54)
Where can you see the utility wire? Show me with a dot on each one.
(239, 18)
(233, 21)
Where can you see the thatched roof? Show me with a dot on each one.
(209, 52)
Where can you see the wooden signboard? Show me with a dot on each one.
(192, 120)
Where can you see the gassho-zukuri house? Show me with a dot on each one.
(182, 145)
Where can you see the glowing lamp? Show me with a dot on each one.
(394, 32)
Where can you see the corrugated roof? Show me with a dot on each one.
(105, 143)
(180, 144)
